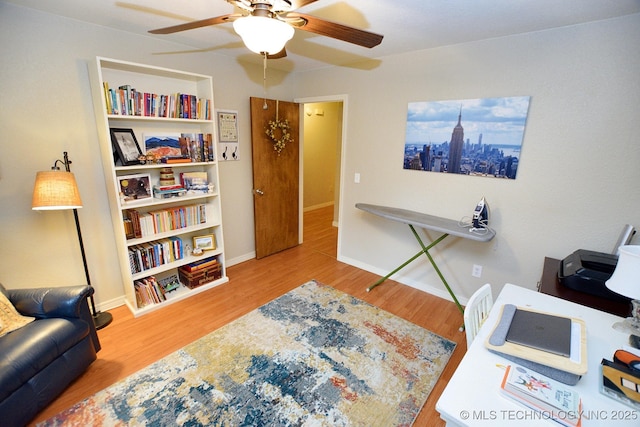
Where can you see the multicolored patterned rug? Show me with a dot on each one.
(313, 357)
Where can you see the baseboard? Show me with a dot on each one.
(112, 303)
(441, 293)
(117, 302)
(239, 259)
(433, 290)
(320, 206)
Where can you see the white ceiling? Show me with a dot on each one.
(407, 25)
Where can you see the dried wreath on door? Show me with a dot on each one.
(279, 132)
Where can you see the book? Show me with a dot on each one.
(548, 397)
(167, 187)
(199, 265)
(171, 160)
(134, 217)
(541, 331)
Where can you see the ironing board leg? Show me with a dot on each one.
(425, 250)
(382, 279)
(410, 260)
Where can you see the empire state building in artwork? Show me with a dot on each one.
(455, 147)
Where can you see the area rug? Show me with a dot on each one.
(312, 357)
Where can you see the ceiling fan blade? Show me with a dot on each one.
(337, 31)
(196, 24)
(281, 54)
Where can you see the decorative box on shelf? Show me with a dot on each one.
(200, 272)
(168, 192)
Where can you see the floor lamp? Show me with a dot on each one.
(57, 190)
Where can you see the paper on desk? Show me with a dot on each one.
(576, 339)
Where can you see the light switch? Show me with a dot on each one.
(356, 178)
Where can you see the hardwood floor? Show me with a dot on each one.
(129, 343)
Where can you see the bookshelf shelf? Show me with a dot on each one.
(178, 295)
(132, 169)
(118, 117)
(172, 221)
(152, 201)
(160, 236)
(173, 265)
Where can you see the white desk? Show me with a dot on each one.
(472, 397)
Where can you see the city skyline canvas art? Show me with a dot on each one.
(475, 137)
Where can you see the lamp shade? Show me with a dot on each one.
(262, 34)
(625, 279)
(55, 190)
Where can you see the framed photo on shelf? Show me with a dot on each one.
(135, 187)
(206, 242)
(164, 145)
(126, 145)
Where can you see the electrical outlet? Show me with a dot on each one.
(476, 271)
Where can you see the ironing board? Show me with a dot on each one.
(447, 227)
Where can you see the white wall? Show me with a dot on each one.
(46, 109)
(577, 182)
(576, 185)
(322, 135)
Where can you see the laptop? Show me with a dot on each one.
(541, 331)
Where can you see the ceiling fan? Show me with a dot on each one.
(266, 26)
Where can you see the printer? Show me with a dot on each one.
(587, 271)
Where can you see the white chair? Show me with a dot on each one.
(476, 312)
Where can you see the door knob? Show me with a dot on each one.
(259, 191)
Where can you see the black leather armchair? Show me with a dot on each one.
(39, 360)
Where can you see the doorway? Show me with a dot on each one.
(323, 130)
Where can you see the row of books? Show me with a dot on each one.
(127, 101)
(153, 254)
(144, 224)
(197, 146)
(148, 291)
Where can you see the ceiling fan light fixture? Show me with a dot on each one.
(262, 34)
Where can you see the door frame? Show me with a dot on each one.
(343, 98)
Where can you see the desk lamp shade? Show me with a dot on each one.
(55, 190)
(625, 280)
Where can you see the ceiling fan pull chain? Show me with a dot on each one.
(264, 81)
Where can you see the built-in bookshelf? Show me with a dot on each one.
(164, 202)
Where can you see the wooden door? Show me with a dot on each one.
(275, 176)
